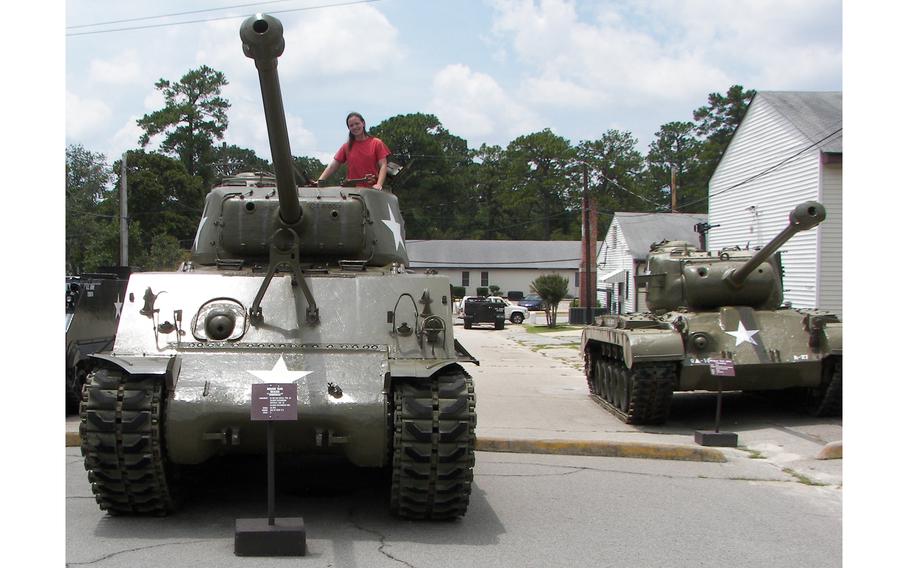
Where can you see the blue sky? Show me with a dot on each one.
(489, 69)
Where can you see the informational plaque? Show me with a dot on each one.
(722, 367)
(274, 401)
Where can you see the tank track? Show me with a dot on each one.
(433, 446)
(120, 429)
(640, 395)
(828, 399)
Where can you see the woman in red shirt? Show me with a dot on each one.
(365, 155)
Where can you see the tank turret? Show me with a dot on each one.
(680, 277)
(247, 217)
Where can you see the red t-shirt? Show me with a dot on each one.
(362, 158)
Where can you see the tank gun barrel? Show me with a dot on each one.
(803, 217)
(263, 41)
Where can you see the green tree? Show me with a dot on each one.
(232, 160)
(717, 121)
(193, 117)
(432, 186)
(165, 204)
(486, 214)
(677, 147)
(538, 167)
(551, 288)
(88, 176)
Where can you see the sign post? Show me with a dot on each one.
(283, 536)
(719, 368)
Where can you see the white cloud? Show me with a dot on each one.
(639, 54)
(84, 116)
(474, 105)
(121, 70)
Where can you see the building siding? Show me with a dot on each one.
(615, 257)
(751, 214)
(831, 265)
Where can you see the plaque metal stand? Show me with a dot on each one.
(281, 536)
(719, 368)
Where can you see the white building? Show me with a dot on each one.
(624, 254)
(511, 265)
(787, 149)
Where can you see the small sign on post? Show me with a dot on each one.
(271, 402)
(274, 401)
(719, 368)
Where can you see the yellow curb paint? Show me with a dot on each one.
(72, 439)
(600, 448)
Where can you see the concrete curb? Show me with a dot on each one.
(601, 448)
(573, 448)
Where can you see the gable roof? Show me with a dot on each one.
(815, 114)
(642, 229)
(554, 255)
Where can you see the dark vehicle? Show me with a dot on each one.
(533, 302)
(93, 302)
(286, 284)
(705, 307)
(484, 310)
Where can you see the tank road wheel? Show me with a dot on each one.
(121, 419)
(433, 446)
(623, 387)
(592, 366)
(602, 370)
(826, 399)
(611, 383)
(517, 318)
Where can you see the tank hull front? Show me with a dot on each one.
(343, 366)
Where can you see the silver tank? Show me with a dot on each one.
(286, 284)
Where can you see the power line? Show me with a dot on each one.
(142, 18)
(353, 2)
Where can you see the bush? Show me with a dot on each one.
(483, 291)
(494, 290)
(551, 288)
(458, 291)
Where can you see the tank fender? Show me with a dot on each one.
(638, 346)
(420, 368)
(834, 333)
(167, 367)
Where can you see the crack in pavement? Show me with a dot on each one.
(378, 534)
(138, 548)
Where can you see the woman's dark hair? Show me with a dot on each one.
(351, 136)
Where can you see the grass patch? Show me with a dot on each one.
(546, 329)
(753, 454)
(803, 479)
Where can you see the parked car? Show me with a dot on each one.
(532, 302)
(513, 312)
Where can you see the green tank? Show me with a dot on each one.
(703, 307)
(308, 285)
(93, 302)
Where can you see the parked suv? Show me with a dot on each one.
(479, 309)
(513, 312)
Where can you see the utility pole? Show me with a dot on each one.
(673, 188)
(124, 229)
(588, 243)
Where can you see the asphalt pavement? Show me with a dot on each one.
(532, 397)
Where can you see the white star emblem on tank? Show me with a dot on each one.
(395, 227)
(199, 230)
(280, 373)
(118, 305)
(743, 335)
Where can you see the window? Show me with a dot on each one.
(577, 279)
(484, 278)
(465, 278)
